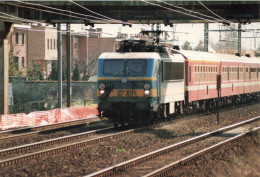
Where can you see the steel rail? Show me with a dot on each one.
(26, 147)
(5, 135)
(135, 161)
(51, 151)
(189, 159)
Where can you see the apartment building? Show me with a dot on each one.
(18, 46)
(87, 46)
(37, 45)
(34, 45)
(42, 47)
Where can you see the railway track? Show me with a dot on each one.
(25, 132)
(162, 159)
(12, 155)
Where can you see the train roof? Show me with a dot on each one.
(207, 56)
(132, 55)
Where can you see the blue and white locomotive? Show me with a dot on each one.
(140, 82)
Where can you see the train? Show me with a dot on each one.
(143, 81)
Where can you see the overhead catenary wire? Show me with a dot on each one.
(71, 31)
(209, 20)
(19, 19)
(154, 4)
(190, 11)
(213, 12)
(48, 11)
(106, 17)
(71, 12)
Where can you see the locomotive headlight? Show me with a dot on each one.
(102, 86)
(147, 86)
(146, 92)
(101, 92)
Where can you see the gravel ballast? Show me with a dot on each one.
(87, 160)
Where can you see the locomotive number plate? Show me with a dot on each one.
(124, 93)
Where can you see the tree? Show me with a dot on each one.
(257, 52)
(200, 46)
(35, 73)
(90, 69)
(54, 72)
(186, 46)
(13, 65)
(76, 74)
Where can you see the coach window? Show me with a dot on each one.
(201, 69)
(195, 69)
(228, 71)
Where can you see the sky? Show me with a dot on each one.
(185, 32)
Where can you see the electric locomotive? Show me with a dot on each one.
(139, 82)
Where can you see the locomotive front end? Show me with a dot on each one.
(126, 86)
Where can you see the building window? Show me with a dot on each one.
(48, 43)
(16, 63)
(16, 38)
(22, 38)
(23, 62)
(51, 44)
(54, 44)
(76, 41)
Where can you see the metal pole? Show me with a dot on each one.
(218, 106)
(239, 39)
(59, 50)
(218, 89)
(69, 90)
(206, 37)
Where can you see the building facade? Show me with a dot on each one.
(34, 45)
(19, 48)
(37, 45)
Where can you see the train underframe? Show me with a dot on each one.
(123, 113)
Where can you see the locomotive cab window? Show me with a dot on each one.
(113, 67)
(136, 67)
(173, 71)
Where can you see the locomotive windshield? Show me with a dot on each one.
(117, 67)
(114, 67)
(136, 67)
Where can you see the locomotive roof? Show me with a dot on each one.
(132, 55)
(206, 56)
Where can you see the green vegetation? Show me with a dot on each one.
(35, 73)
(76, 74)
(54, 72)
(13, 65)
